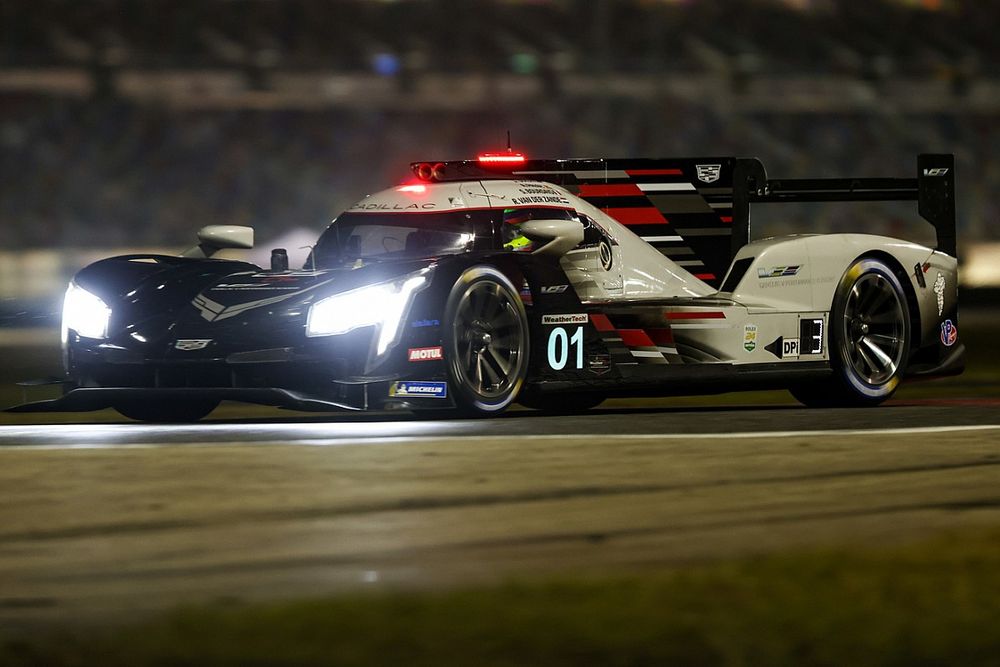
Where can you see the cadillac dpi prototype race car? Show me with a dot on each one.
(553, 283)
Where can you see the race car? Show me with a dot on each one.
(554, 283)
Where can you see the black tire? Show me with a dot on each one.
(486, 342)
(171, 412)
(561, 404)
(869, 339)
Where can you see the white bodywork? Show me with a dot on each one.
(213, 238)
(763, 306)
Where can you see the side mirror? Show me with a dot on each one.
(279, 260)
(213, 238)
(555, 237)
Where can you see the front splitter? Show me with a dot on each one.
(88, 399)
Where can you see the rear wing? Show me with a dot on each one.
(933, 189)
(696, 211)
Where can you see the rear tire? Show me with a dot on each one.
(172, 412)
(869, 340)
(486, 342)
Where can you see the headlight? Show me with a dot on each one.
(383, 306)
(84, 313)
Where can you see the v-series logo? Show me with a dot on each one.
(426, 353)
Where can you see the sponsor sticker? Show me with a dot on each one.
(778, 271)
(750, 337)
(575, 318)
(554, 289)
(526, 297)
(188, 344)
(604, 252)
(939, 291)
(420, 389)
(599, 363)
(949, 333)
(426, 353)
(418, 324)
(708, 173)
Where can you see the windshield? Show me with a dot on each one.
(382, 237)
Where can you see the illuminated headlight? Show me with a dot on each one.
(383, 306)
(84, 313)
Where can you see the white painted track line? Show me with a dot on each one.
(82, 434)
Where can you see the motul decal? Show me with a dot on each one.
(426, 353)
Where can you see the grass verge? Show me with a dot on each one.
(933, 603)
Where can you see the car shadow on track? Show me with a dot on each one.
(519, 415)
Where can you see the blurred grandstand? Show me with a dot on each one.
(128, 122)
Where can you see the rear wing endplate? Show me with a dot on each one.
(933, 189)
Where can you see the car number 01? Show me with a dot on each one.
(560, 343)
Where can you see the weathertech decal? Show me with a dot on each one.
(420, 389)
(426, 353)
(576, 318)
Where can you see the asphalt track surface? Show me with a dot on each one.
(108, 522)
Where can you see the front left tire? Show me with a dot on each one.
(486, 341)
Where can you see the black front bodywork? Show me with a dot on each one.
(229, 330)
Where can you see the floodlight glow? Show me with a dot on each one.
(383, 306)
(84, 313)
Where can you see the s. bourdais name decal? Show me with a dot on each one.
(426, 353)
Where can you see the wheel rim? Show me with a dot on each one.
(490, 340)
(874, 329)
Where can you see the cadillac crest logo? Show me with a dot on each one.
(708, 173)
(188, 344)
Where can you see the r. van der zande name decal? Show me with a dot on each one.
(521, 201)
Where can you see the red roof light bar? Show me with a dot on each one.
(501, 158)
